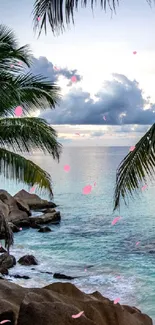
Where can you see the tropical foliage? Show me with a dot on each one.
(22, 134)
(59, 12)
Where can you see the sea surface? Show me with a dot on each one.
(103, 256)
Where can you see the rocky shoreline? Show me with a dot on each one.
(57, 302)
(61, 303)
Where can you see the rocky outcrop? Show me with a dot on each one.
(28, 260)
(56, 303)
(23, 206)
(44, 229)
(52, 217)
(33, 200)
(19, 218)
(6, 261)
(62, 276)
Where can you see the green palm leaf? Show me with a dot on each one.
(10, 54)
(134, 168)
(16, 167)
(29, 133)
(55, 12)
(29, 91)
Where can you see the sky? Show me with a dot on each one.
(112, 102)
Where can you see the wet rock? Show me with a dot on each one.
(13, 227)
(19, 218)
(34, 225)
(17, 276)
(34, 201)
(23, 206)
(44, 229)
(62, 276)
(4, 271)
(28, 260)
(54, 218)
(7, 261)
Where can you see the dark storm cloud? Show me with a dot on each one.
(47, 69)
(120, 100)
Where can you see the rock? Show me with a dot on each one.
(9, 200)
(35, 225)
(56, 303)
(19, 218)
(62, 276)
(13, 227)
(4, 209)
(2, 250)
(4, 271)
(44, 229)
(7, 261)
(34, 201)
(23, 206)
(17, 276)
(46, 218)
(49, 210)
(28, 260)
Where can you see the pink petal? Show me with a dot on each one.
(66, 168)
(144, 187)
(55, 68)
(104, 118)
(116, 300)
(132, 148)
(38, 18)
(134, 52)
(18, 111)
(5, 321)
(115, 220)
(87, 189)
(138, 243)
(20, 63)
(74, 79)
(78, 315)
(77, 133)
(11, 65)
(85, 270)
(32, 189)
(95, 184)
(20, 228)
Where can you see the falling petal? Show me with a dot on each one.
(32, 189)
(116, 300)
(78, 315)
(5, 321)
(20, 228)
(138, 243)
(132, 148)
(74, 79)
(18, 111)
(77, 134)
(95, 184)
(87, 189)
(38, 18)
(116, 220)
(134, 52)
(104, 118)
(66, 168)
(144, 187)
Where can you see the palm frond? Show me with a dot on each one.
(25, 134)
(134, 168)
(16, 167)
(10, 54)
(58, 11)
(29, 91)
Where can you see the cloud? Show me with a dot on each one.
(120, 100)
(47, 69)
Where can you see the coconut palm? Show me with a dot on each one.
(22, 134)
(58, 11)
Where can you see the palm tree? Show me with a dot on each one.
(54, 11)
(22, 134)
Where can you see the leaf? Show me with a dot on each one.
(134, 168)
(29, 133)
(15, 167)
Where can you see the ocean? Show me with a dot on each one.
(104, 257)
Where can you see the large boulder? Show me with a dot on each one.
(4, 209)
(19, 218)
(23, 206)
(44, 229)
(28, 260)
(7, 261)
(33, 200)
(6, 198)
(56, 303)
(52, 217)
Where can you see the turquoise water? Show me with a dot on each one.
(105, 257)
